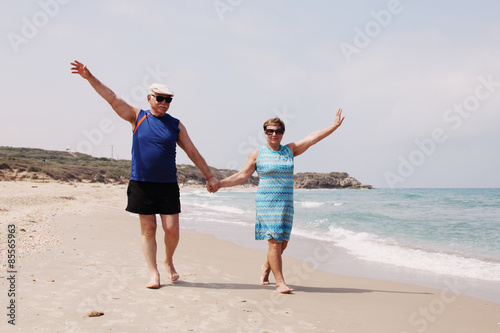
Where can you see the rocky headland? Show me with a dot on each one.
(18, 164)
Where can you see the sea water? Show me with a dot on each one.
(419, 236)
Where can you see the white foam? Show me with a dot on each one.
(313, 204)
(369, 247)
(310, 204)
(212, 220)
(199, 193)
(221, 208)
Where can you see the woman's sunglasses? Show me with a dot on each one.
(278, 131)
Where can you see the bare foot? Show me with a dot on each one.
(171, 272)
(154, 281)
(264, 279)
(283, 288)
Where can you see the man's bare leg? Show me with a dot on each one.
(266, 268)
(170, 225)
(148, 243)
(274, 257)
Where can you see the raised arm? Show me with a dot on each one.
(245, 173)
(122, 108)
(184, 141)
(301, 146)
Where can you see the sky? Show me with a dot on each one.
(418, 81)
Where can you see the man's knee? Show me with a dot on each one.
(148, 226)
(171, 231)
(148, 232)
(170, 224)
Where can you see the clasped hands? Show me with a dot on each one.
(213, 185)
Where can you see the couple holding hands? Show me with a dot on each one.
(153, 187)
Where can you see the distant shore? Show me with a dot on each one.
(32, 164)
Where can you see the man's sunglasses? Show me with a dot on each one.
(278, 131)
(160, 99)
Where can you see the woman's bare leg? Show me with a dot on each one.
(266, 268)
(275, 263)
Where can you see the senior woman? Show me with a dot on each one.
(274, 199)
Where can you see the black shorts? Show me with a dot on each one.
(149, 198)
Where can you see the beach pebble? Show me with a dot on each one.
(93, 313)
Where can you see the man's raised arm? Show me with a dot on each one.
(122, 108)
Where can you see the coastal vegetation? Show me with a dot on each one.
(39, 165)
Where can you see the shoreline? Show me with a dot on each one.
(96, 264)
(329, 258)
(338, 260)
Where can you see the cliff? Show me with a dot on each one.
(330, 180)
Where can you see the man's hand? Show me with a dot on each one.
(213, 185)
(79, 68)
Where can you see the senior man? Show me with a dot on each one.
(153, 187)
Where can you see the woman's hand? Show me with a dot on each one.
(338, 119)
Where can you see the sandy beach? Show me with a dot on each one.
(77, 250)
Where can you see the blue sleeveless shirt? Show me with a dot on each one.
(153, 149)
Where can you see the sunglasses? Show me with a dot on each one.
(278, 131)
(160, 99)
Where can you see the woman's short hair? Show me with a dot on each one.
(274, 122)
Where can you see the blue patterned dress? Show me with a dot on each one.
(274, 199)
